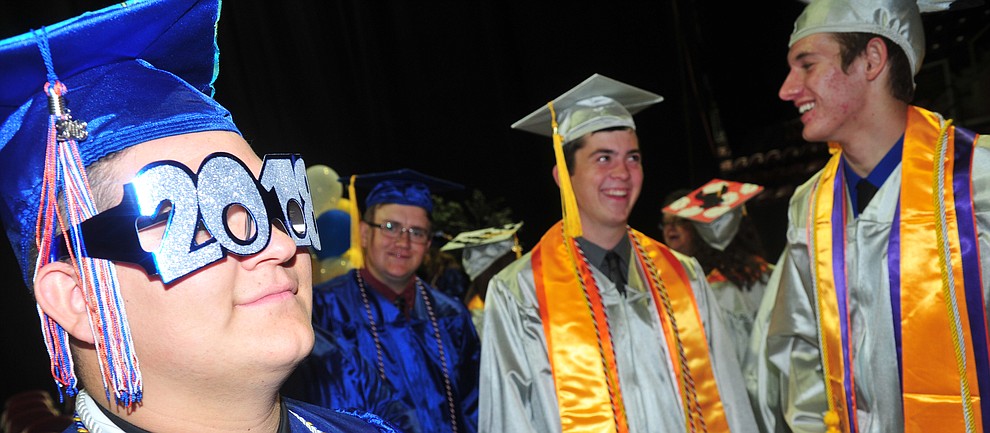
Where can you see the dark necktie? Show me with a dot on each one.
(400, 303)
(613, 267)
(864, 192)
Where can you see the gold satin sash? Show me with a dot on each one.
(581, 354)
(690, 334)
(830, 333)
(932, 384)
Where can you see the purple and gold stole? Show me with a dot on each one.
(940, 324)
(579, 342)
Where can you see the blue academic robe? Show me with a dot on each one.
(410, 355)
(339, 358)
(333, 421)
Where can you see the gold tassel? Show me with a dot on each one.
(572, 220)
(355, 255)
(831, 418)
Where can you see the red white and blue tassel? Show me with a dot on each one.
(64, 170)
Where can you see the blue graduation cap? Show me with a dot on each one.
(404, 186)
(77, 91)
(132, 72)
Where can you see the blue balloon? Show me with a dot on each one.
(335, 233)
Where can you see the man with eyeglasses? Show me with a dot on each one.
(422, 341)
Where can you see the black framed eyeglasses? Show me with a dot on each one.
(393, 230)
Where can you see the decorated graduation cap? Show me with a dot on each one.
(483, 247)
(72, 93)
(715, 209)
(598, 103)
(897, 20)
(404, 186)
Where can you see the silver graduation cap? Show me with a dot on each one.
(597, 103)
(898, 20)
(483, 247)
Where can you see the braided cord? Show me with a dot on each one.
(443, 358)
(948, 279)
(613, 384)
(374, 327)
(448, 387)
(694, 417)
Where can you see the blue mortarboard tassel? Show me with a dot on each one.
(64, 171)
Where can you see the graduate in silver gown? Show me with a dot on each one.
(711, 224)
(484, 253)
(878, 321)
(169, 262)
(600, 328)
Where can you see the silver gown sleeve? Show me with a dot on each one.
(763, 381)
(722, 350)
(516, 390)
(792, 334)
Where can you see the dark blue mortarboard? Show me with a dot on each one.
(134, 72)
(405, 186)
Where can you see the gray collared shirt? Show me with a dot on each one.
(596, 254)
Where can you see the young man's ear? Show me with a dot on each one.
(556, 177)
(58, 293)
(876, 55)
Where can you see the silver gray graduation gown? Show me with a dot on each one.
(517, 392)
(793, 357)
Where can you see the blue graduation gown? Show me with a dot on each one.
(333, 421)
(409, 350)
(357, 386)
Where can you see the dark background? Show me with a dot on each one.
(365, 86)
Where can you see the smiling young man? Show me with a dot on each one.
(600, 328)
(168, 260)
(879, 322)
(422, 341)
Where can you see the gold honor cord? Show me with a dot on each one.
(572, 220)
(947, 278)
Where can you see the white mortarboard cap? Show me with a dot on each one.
(898, 20)
(715, 209)
(483, 247)
(597, 103)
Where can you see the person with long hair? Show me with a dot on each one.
(729, 249)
